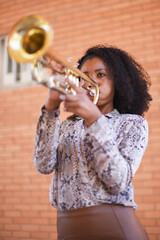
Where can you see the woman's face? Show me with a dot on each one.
(96, 70)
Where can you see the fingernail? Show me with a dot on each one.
(62, 97)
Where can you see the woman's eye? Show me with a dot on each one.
(101, 74)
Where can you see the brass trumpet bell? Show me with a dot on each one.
(29, 39)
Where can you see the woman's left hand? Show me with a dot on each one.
(81, 105)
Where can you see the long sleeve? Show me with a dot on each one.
(46, 142)
(117, 155)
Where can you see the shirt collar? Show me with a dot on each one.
(109, 115)
(112, 113)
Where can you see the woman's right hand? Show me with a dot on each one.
(53, 101)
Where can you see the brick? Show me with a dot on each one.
(146, 206)
(5, 220)
(152, 214)
(21, 220)
(148, 222)
(40, 221)
(12, 213)
(5, 234)
(144, 192)
(47, 228)
(39, 235)
(10, 227)
(153, 230)
(152, 237)
(53, 236)
(30, 214)
(30, 228)
(21, 234)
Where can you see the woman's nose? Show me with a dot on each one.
(93, 77)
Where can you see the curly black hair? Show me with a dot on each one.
(130, 79)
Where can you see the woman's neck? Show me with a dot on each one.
(106, 108)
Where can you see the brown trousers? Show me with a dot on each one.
(103, 222)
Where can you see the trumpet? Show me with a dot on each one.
(30, 40)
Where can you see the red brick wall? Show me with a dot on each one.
(25, 211)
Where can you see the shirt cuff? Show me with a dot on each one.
(50, 114)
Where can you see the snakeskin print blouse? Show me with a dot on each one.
(90, 165)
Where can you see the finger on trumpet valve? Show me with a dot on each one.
(76, 65)
(72, 91)
(75, 80)
(70, 77)
(51, 83)
(92, 92)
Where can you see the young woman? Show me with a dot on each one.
(96, 152)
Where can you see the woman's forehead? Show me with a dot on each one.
(95, 62)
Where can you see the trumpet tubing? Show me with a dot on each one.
(30, 40)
